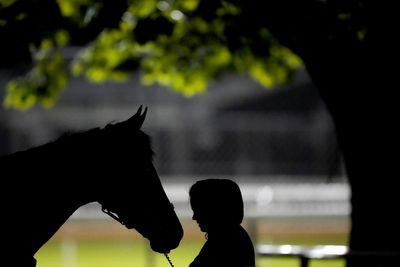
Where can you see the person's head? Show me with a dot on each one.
(215, 203)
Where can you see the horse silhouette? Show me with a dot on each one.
(44, 185)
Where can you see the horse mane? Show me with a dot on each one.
(91, 143)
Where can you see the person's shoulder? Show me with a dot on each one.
(237, 237)
(243, 233)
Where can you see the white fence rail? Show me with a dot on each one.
(262, 200)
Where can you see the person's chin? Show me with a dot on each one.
(202, 228)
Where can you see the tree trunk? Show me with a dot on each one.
(357, 79)
(360, 91)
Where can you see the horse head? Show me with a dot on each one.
(135, 197)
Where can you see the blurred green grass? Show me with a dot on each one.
(123, 253)
(110, 253)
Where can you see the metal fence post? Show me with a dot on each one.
(304, 261)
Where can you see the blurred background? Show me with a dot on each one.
(278, 144)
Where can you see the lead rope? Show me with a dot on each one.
(168, 259)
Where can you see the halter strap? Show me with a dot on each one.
(112, 215)
(116, 217)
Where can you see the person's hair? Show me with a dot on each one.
(220, 198)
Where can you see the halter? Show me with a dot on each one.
(112, 215)
(116, 217)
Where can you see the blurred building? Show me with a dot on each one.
(236, 128)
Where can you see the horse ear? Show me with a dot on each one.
(138, 119)
(142, 117)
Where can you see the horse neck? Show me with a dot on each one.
(44, 189)
(54, 173)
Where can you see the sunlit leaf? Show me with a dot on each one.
(61, 37)
(188, 5)
(143, 8)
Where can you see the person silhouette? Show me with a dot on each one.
(217, 206)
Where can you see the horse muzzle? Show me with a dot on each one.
(164, 243)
